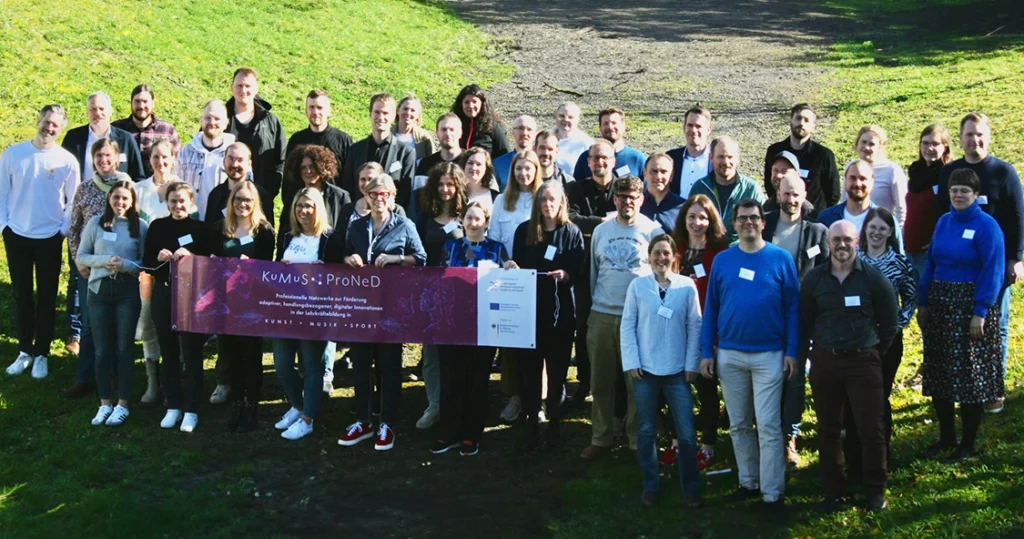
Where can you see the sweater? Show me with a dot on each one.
(707, 260)
(618, 255)
(462, 253)
(628, 162)
(745, 188)
(920, 223)
(556, 308)
(1001, 197)
(504, 222)
(900, 272)
(267, 142)
(661, 336)
(664, 213)
(90, 200)
(889, 190)
(171, 234)
(97, 246)
(36, 190)
(817, 168)
(753, 303)
(967, 248)
(203, 169)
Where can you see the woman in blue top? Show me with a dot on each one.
(959, 316)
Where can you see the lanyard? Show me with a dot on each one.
(373, 239)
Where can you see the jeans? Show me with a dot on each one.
(72, 302)
(606, 371)
(303, 393)
(176, 349)
(794, 401)
(114, 314)
(432, 374)
(1004, 325)
(647, 391)
(388, 358)
(86, 363)
(34, 317)
(465, 373)
(918, 260)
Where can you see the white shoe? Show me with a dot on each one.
(328, 382)
(220, 394)
(170, 419)
(288, 419)
(298, 429)
(102, 414)
(188, 423)
(512, 409)
(20, 364)
(542, 415)
(40, 368)
(429, 417)
(117, 416)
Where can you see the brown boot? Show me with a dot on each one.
(792, 457)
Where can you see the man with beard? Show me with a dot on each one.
(661, 205)
(449, 131)
(397, 159)
(321, 133)
(629, 161)
(807, 243)
(145, 127)
(818, 170)
(846, 365)
(692, 162)
(547, 149)
(726, 187)
(524, 130)
(859, 179)
(237, 166)
(786, 164)
(252, 123)
(752, 317)
(200, 162)
(572, 141)
(80, 139)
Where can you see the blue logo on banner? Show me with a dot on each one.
(495, 306)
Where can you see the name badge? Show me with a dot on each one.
(813, 251)
(486, 264)
(665, 312)
(968, 234)
(395, 167)
(549, 253)
(804, 173)
(935, 189)
(123, 158)
(185, 240)
(452, 225)
(747, 274)
(110, 236)
(245, 241)
(698, 270)
(983, 199)
(622, 171)
(852, 301)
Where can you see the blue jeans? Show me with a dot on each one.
(114, 315)
(1004, 324)
(793, 402)
(303, 393)
(86, 363)
(918, 260)
(646, 393)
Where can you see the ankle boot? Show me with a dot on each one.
(236, 417)
(152, 383)
(250, 416)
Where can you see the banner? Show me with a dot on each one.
(395, 304)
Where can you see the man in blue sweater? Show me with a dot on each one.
(1001, 197)
(629, 161)
(752, 318)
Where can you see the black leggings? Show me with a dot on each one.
(970, 416)
(244, 357)
(554, 351)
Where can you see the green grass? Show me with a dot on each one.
(873, 8)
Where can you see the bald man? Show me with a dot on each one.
(725, 186)
(524, 131)
(200, 162)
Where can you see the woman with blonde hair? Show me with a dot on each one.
(409, 129)
(890, 188)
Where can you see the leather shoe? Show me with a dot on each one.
(77, 390)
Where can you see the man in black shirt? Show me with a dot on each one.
(319, 132)
(818, 169)
(237, 165)
(850, 313)
(252, 123)
(398, 160)
(449, 131)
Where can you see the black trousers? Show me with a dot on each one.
(388, 358)
(244, 356)
(35, 316)
(554, 350)
(852, 445)
(465, 373)
(583, 301)
(178, 350)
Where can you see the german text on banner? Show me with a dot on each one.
(467, 306)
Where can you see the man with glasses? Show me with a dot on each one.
(752, 324)
(726, 186)
(524, 130)
(618, 255)
(237, 165)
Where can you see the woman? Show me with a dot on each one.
(441, 202)
(552, 245)
(890, 188)
(111, 249)
(466, 370)
(934, 151)
(313, 166)
(481, 184)
(361, 207)
(243, 233)
(169, 239)
(660, 336)
(700, 235)
(381, 238)
(90, 200)
(409, 128)
(305, 243)
(959, 316)
(481, 125)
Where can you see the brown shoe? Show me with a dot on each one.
(792, 457)
(72, 347)
(593, 452)
(995, 406)
(77, 390)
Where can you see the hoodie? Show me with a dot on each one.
(267, 142)
(201, 168)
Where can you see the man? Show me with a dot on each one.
(252, 123)
(398, 160)
(819, 169)
(319, 132)
(661, 205)
(835, 299)
(786, 164)
(1001, 197)
(449, 131)
(200, 162)
(613, 127)
(38, 180)
(752, 316)
(572, 141)
(145, 127)
(79, 140)
(618, 255)
(858, 179)
(524, 130)
(547, 149)
(726, 187)
(237, 169)
(692, 162)
(807, 243)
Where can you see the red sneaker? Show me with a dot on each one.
(385, 438)
(355, 433)
(704, 458)
(669, 457)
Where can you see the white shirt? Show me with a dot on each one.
(504, 223)
(302, 249)
(92, 138)
(484, 199)
(694, 168)
(857, 220)
(36, 190)
(890, 188)
(570, 149)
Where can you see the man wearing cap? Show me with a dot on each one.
(819, 170)
(783, 164)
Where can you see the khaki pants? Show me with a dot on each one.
(605, 366)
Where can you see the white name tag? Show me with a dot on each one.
(852, 301)
(395, 167)
(968, 234)
(813, 251)
(549, 254)
(452, 225)
(698, 270)
(983, 199)
(935, 189)
(746, 274)
(185, 240)
(622, 171)
(804, 173)
(245, 241)
(110, 236)
(485, 264)
(665, 312)
(123, 158)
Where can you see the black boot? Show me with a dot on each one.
(250, 417)
(235, 419)
(530, 435)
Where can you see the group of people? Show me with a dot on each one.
(655, 272)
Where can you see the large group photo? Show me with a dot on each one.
(414, 277)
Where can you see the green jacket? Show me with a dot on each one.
(745, 188)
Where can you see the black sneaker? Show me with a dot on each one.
(742, 494)
(469, 449)
(442, 446)
(830, 505)
(961, 454)
(877, 504)
(250, 416)
(936, 449)
(553, 435)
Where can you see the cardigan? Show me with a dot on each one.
(661, 336)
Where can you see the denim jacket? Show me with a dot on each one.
(397, 237)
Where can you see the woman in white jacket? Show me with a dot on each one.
(660, 338)
(512, 207)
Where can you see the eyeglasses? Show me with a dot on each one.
(842, 241)
(748, 218)
(379, 195)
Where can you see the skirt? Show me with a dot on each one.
(957, 367)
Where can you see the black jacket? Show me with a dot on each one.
(819, 172)
(397, 153)
(494, 141)
(589, 203)
(812, 235)
(217, 202)
(332, 138)
(268, 145)
(130, 160)
(556, 309)
(335, 198)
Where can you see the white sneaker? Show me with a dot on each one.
(542, 415)
(40, 368)
(429, 417)
(298, 429)
(220, 394)
(188, 423)
(288, 419)
(102, 414)
(328, 382)
(20, 364)
(117, 416)
(170, 419)
(512, 409)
